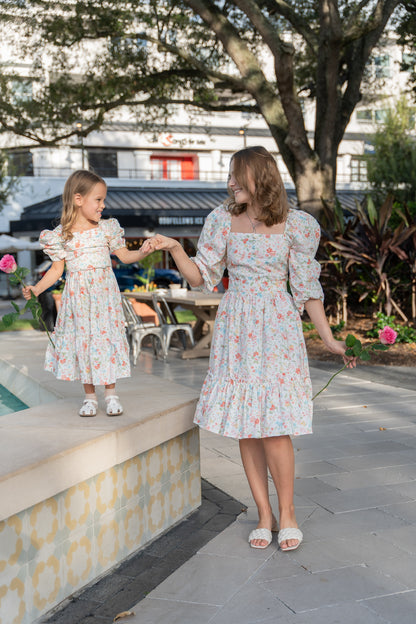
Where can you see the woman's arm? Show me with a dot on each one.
(51, 276)
(316, 312)
(187, 268)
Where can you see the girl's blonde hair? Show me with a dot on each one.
(81, 182)
(269, 193)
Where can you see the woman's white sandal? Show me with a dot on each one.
(88, 408)
(114, 407)
(290, 534)
(260, 534)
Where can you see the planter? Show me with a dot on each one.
(146, 313)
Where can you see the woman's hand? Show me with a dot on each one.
(339, 347)
(27, 292)
(164, 242)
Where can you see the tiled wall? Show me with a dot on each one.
(50, 550)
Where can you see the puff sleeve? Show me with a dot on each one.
(211, 254)
(114, 233)
(304, 270)
(52, 244)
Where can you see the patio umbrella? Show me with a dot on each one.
(11, 244)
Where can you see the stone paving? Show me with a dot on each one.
(356, 503)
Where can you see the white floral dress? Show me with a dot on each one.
(89, 337)
(258, 382)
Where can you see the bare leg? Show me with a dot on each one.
(89, 389)
(110, 387)
(281, 463)
(255, 466)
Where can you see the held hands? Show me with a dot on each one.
(164, 242)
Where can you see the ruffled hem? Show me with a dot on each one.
(239, 409)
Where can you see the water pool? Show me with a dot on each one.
(9, 403)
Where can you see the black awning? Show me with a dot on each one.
(148, 207)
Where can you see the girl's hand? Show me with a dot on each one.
(164, 242)
(27, 292)
(147, 248)
(339, 347)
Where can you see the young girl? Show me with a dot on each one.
(89, 337)
(258, 388)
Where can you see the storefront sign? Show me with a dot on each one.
(181, 220)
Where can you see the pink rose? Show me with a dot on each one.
(8, 264)
(387, 335)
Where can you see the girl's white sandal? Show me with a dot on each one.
(88, 408)
(260, 534)
(114, 407)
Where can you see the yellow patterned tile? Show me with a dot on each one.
(77, 504)
(43, 523)
(108, 543)
(46, 581)
(174, 455)
(191, 445)
(194, 488)
(79, 562)
(154, 465)
(134, 527)
(11, 541)
(106, 485)
(132, 477)
(156, 513)
(176, 500)
(13, 607)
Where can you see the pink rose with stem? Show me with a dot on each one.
(16, 276)
(387, 337)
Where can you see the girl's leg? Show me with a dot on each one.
(89, 406)
(255, 467)
(114, 407)
(280, 460)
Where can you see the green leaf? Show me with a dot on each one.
(14, 280)
(9, 319)
(380, 347)
(365, 356)
(349, 352)
(357, 348)
(350, 340)
(16, 307)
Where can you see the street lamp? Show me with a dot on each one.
(78, 126)
(242, 132)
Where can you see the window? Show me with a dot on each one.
(358, 167)
(21, 90)
(382, 66)
(380, 116)
(174, 167)
(364, 115)
(20, 163)
(103, 162)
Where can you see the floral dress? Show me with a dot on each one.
(89, 337)
(258, 382)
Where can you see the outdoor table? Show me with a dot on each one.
(203, 305)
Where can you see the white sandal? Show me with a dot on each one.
(88, 408)
(260, 534)
(114, 407)
(289, 534)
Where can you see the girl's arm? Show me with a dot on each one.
(51, 276)
(127, 256)
(187, 268)
(316, 312)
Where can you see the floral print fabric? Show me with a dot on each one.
(89, 337)
(258, 382)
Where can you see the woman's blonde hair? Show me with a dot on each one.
(269, 193)
(81, 182)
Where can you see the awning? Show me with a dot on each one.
(148, 207)
(11, 244)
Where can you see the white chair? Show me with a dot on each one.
(137, 330)
(169, 323)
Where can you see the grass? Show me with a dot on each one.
(19, 325)
(185, 316)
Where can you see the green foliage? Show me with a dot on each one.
(404, 332)
(148, 263)
(8, 183)
(392, 167)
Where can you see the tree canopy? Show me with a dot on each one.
(92, 57)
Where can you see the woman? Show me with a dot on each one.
(258, 387)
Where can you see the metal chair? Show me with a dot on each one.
(169, 323)
(137, 330)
